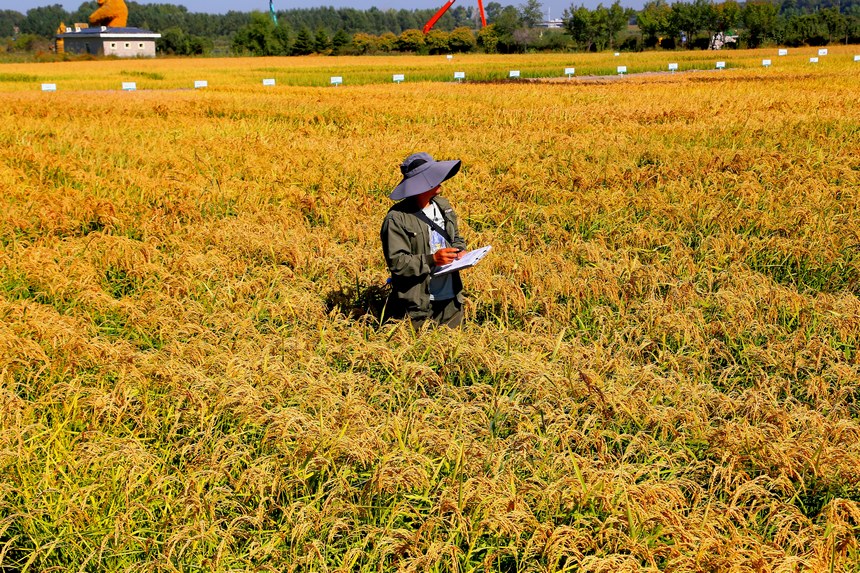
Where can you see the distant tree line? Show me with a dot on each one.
(329, 30)
(755, 23)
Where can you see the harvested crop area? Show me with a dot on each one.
(658, 372)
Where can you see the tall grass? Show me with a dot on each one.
(659, 369)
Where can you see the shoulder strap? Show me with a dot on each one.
(433, 225)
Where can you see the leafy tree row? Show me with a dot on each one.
(754, 23)
(261, 37)
(43, 21)
(597, 29)
(511, 29)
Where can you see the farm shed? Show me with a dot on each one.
(102, 41)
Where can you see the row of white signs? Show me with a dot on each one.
(673, 67)
(397, 78)
(127, 86)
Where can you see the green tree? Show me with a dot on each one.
(614, 21)
(582, 26)
(597, 29)
(790, 9)
(727, 15)
(488, 38)
(462, 39)
(27, 43)
(460, 17)
(653, 21)
(852, 31)
(684, 21)
(706, 16)
(387, 42)
(835, 23)
(364, 43)
(406, 20)
(492, 11)
(258, 37)
(232, 22)
(507, 22)
(9, 19)
(804, 29)
(760, 21)
(410, 41)
(304, 43)
(158, 16)
(198, 45)
(531, 14)
(438, 42)
(552, 40)
(322, 43)
(44, 21)
(283, 38)
(173, 41)
(83, 12)
(340, 41)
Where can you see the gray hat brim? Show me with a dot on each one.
(429, 178)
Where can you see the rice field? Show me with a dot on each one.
(659, 369)
(240, 74)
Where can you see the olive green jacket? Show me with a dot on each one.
(406, 245)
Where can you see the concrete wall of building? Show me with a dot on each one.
(83, 46)
(120, 47)
(132, 48)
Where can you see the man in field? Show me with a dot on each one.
(419, 234)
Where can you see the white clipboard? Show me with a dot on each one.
(469, 259)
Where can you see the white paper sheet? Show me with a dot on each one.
(469, 259)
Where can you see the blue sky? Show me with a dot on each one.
(556, 7)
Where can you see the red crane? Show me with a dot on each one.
(432, 21)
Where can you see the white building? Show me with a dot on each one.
(102, 41)
(557, 23)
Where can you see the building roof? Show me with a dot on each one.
(105, 32)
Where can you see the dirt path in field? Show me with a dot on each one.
(601, 79)
(613, 78)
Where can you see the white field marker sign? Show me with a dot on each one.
(783, 52)
(617, 54)
(514, 74)
(459, 76)
(622, 70)
(813, 60)
(721, 65)
(397, 78)
(129, 86)
(857, 58)
(269, 82)
(200, 84)
(765, 63)
(569, 72)
(450, 57)
(49, 87)
(673, 67)
(336, 80)
(822, 52)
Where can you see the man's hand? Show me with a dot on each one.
(446, 256)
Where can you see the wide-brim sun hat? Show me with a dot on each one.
(422, 173)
